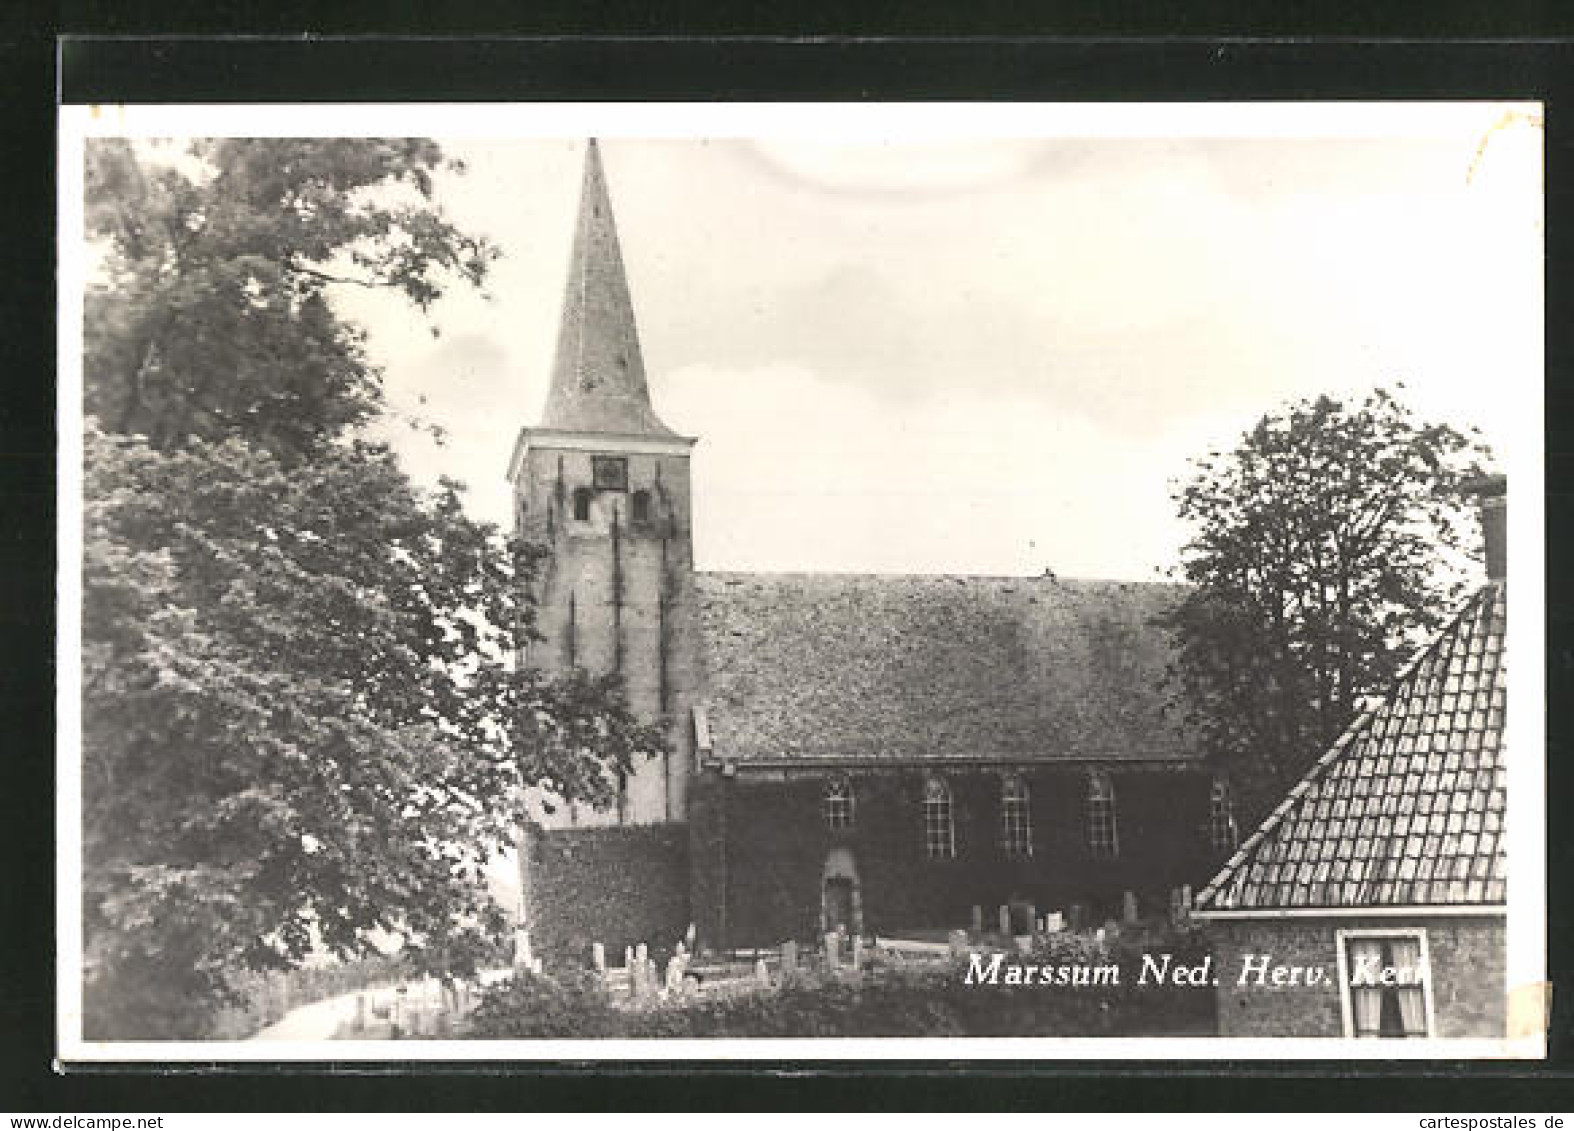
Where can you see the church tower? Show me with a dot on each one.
(603, 484)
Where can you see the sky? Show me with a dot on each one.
(957, 338)
(927, 352)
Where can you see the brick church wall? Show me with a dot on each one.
(1467, 956)
(620, 886)
(759, 849)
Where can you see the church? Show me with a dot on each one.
(875, 753)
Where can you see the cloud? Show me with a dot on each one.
(988, 356)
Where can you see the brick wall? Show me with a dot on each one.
(619, 886)
(759, 850)
(1467, 960)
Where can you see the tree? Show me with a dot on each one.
(1325, 548)
(213, 316)
(302, 726)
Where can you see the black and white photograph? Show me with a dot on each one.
(662, 581)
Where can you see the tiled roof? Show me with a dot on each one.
(1406, 809)
(825, 668)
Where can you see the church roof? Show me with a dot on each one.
(849, 668)
(598, 373)
(1406, 808)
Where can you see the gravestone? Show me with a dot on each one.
(1128, 907)
(957, 940)
(598, 958)
(789, 956)
(976, 923)
(833, 951)
(1005, 919)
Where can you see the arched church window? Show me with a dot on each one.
(1103, 837)
(639, 506)
(1016, 818)
(1221, 816)
(939, 830)
(838, 803)
(582, 504)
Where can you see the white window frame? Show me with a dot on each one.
(1221, 816)
(1346, 1006)
(838, 803)
(1016, 817)
(1101, 796)
(939, 843)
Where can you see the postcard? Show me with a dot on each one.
(817, 581)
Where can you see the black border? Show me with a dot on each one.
(1016, 65)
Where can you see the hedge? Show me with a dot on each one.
(880, 1001)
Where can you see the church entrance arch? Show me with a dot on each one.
(841, 895)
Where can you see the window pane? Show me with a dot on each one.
(1016, 819)
(1386, 985)
(1221, 817)
(1103, 840)
(838, 804)
(939, 836)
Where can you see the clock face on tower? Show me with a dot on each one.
(609, 473)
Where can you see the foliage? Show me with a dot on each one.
(1321, 553)
(566, 1005)
(213, 315)
(882, 1001)
(262, 999)
(301, 727)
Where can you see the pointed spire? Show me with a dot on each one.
(598, 375)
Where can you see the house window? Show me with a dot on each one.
(837, 804)
(1103, 838)
(939, 831)
(582, 504)
(609, 473)
(1016, 818)
(1221, 816)
(1384, 982)
(639, 506)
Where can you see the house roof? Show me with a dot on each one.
(848, 668)
(1406, 808)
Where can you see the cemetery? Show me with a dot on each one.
(841, 984)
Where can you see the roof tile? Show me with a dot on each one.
(826, 668)
(1432, 752)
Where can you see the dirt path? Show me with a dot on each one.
(318, 1021)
